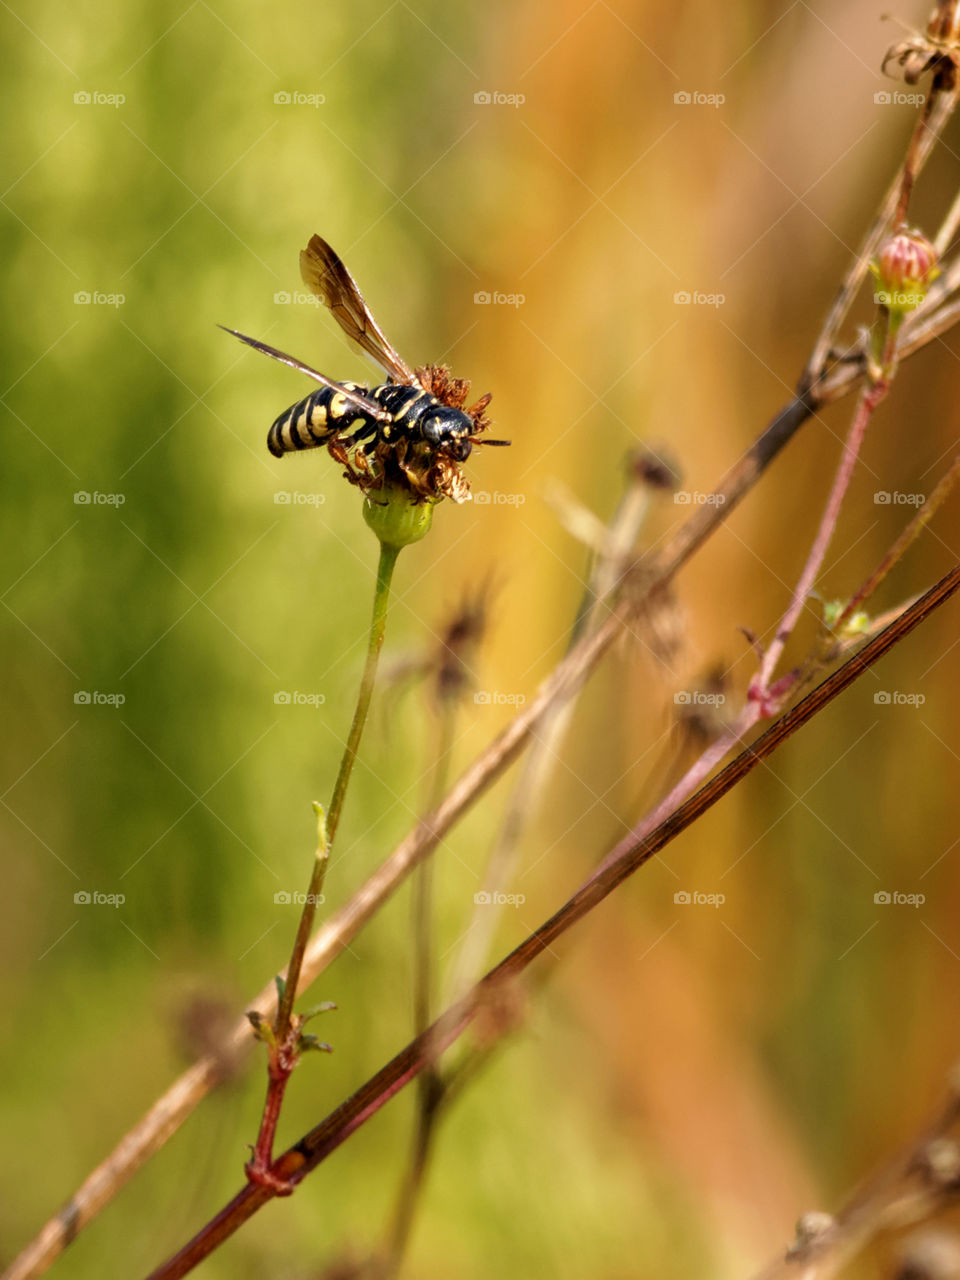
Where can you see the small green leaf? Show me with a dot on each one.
(325, 1006)
(308, 1042)
(281, 988)
(262, 1029)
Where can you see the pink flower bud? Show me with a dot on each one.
(906, 266)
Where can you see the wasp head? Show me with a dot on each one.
(449, 430)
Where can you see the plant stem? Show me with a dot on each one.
(284, 1038)
(385, 567)
(870, 397)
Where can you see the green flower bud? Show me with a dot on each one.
(396, 516)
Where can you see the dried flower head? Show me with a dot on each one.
(427, 471)
(654, 468)
(937, 51)
(452, 663)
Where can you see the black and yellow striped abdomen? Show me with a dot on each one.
(327, 414)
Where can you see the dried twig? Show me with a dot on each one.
(917, 1184)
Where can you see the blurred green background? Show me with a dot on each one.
(694, 1077)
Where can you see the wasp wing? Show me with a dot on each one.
(369, 407)
(325, 274)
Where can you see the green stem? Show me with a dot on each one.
(381, 598)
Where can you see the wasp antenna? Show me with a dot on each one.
(480, 440)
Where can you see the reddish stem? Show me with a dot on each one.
(258, 1169)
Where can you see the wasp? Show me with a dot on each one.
(415, 427)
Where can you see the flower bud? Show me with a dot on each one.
(904, 270)
(396, 516)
